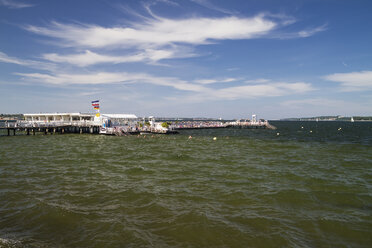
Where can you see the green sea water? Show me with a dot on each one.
(306, 184)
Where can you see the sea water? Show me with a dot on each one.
(306, 184)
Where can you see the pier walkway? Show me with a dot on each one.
(51, 127)
(92, 127)
(219, 124)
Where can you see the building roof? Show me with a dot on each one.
(116, 116)
(120, 116)
(59, 114)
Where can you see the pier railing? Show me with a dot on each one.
(30, 124)
(249, 124)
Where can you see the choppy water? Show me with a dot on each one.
(249, 188)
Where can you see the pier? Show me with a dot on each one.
(262, 124)
(115, 124)
(251, 125)
(53, 123)
(55, 128)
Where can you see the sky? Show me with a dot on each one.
(187, 58)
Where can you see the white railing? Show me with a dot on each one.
(22, 124)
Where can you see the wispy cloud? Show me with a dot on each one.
(352, 81)
(327, 106)
(312, 101)
(201, 91)
(96, 78)
(158, 32)
(262, 90)
(213, 81)
(15, 4)
(12, 60)
(28, 63)
(257, 81)
(152, 40)
(299, 34)
(91, 58)
(155, 38)
(310, 32)
(207, 4)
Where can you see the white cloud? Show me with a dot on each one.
(262, 90)
(90, 58)
(12, 60)
(233, 69)
(158, 32)
(110, 78)
(352, 81)
(259, 80)
(213, 81)
(29, 63)
(14, 4)
(300, 34)
(153, 39)
(201, 92)
(327, 106)
(314, 102)
(208, 5)
(310, 32)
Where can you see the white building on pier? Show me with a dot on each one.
(59, 117)
(78, 119)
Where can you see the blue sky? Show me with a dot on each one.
(188, 58)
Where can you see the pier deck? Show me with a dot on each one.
(92, 128)
(49, 128)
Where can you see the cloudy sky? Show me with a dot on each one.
(187, 58)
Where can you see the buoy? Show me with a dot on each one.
(278, 134)
(302, 127)
(214, 138)
(339, 129)
(190, 137)
(311, 131)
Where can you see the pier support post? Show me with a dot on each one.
(28, 131)
(8, 132)
(80, 130)
(33, 131)
(14, 132)
(46, 131)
